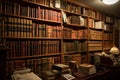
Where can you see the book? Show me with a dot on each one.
(87, 68)
(57, 3)
(82, 21)
(68, 76)
(62, 68)
(25, 76)
(98, 24)
(48, 75)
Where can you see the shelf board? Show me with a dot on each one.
(95, 40)
(95, 50)
(72, 13)
(34, 56)
(96, 29)
(72, 52)
(109, 40)
(31, 38)
(34, 19)
(74, 39)
(75, 25)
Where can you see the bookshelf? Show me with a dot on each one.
(40, 33)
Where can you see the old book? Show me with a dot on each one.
(25, 76)
(48, 75)
(87, 68)
(24, 10)
(9, 7)
(57, 3)
(82, 21)
(62, 68)
(98, 24)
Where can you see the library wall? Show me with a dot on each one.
(40, 33)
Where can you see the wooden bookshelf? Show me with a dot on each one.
(38, 32)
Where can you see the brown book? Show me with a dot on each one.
(48, 31)
(18, 27)
(16, 9)
(52, 3)
(1, 6)
(47, 2)
(24, 10)
(9, 7)
(5, 31)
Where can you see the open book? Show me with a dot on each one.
(24, 75)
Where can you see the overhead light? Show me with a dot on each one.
(109, 2)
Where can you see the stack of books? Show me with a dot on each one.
(61, 68)
(24, 74)
(87, 68)
(48, 75)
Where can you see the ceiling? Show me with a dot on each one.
(99, 5)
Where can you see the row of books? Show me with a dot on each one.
(20, 27)
(70, 7)
(17, 27)
(50, 3)
(95, 45)
(91, 13)
(99, 25)
(108, 36)
(75, 34)
(108, 27)
(39, 12)
(36, 65)
(74, 19)
(32, 48)
(109, 19)
(95, 24)
(75, 46)
(75, 57)
(44, 30)
(96, 35)
(77, 9)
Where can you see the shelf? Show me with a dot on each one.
(68, 12)
(74, 39)
(38, 4)
(75, 26)
(33, 57)
(96, 29)
(74, 52)
(95, 50)
(95, 40)
(31, 38)
(34, 19)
